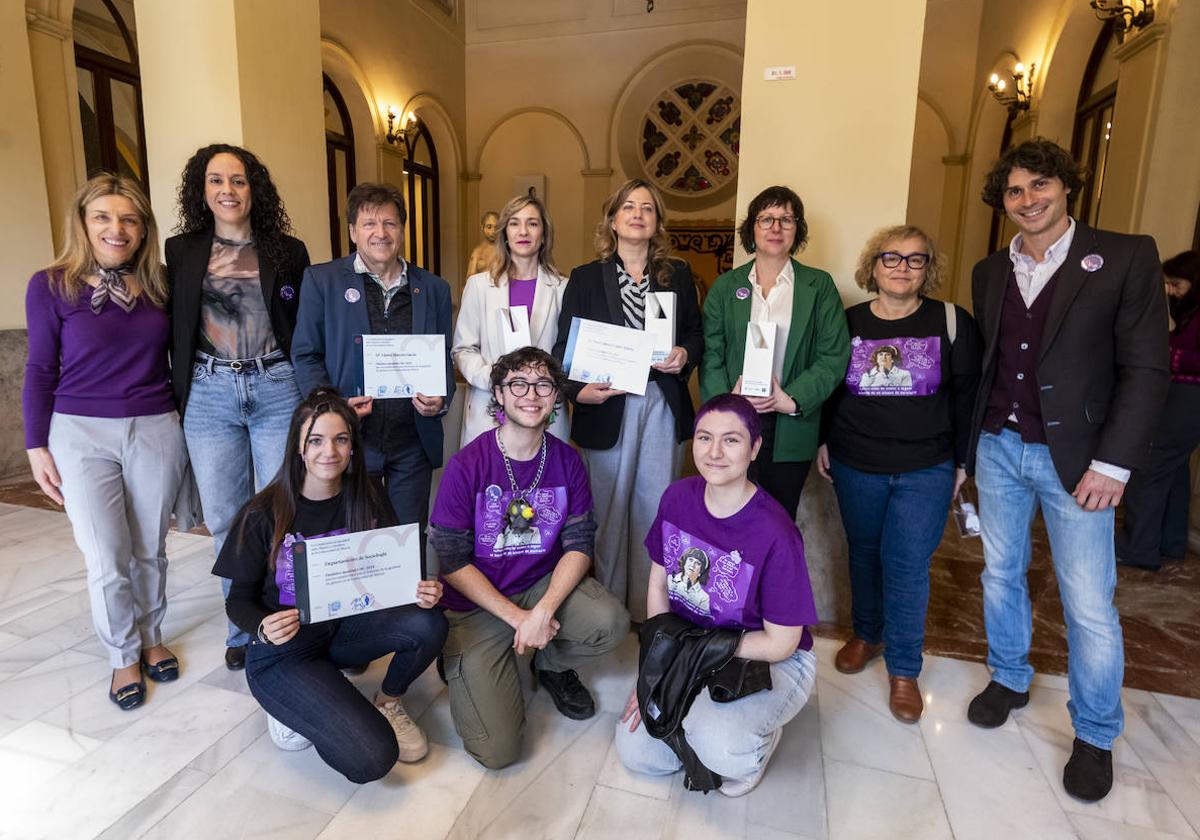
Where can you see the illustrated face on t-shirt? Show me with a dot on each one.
(895, 367)
(706, 584)
(285, 564)
(512, 525)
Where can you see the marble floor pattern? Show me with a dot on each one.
(196, 761)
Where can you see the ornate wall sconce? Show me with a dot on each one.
(1020, 96)
(405, 132)
(1127, 17)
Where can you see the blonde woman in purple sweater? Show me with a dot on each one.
(101, 430)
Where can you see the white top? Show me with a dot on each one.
(776, 307)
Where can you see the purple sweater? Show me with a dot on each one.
(109, 365)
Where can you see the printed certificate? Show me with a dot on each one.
(349, 574)
(599, 352)
(404, 366)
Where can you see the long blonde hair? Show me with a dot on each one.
(504, 261)
(658, 259)
(75, 260)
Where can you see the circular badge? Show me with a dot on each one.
(742, 293)
(1092, 262)
(287, 292)
(352, 296)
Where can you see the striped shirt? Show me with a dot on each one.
(633, 296)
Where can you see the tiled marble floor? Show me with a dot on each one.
(195, 761)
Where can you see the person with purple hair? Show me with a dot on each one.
(722, 533)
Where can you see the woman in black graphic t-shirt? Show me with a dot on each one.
(895, 445)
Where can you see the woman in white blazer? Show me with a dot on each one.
(522, 276)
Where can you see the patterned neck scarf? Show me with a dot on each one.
(112, 285)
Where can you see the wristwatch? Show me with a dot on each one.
(262, 636)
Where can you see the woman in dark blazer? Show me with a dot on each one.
(234, 275)
(630, 442)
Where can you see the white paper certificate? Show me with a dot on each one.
(348, 574)
(404, 366)
(599, 352)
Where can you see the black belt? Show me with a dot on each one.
(260, 363)
(1012, 426)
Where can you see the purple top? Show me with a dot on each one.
(521, 292)
(474, 494)
(734, 572)
(1185, 353)
(109, 365)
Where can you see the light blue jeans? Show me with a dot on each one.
(1014, 479)
(236, 427)
(731, 739)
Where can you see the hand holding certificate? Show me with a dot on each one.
(348, 574)
(404, 365)
(606, 353)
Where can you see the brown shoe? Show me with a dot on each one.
(905, 699)
(855, 655)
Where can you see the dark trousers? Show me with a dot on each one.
(1158, 495)
(300, 683)
(783, 480)
(407, 477)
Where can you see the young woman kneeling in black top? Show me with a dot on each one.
(293, 670)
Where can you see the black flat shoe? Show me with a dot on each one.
(570, 696)
(164, 670)
(130, 696)
(235, 658)
(1088, 774)
(991, 706)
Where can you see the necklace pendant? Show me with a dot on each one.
(520, 514)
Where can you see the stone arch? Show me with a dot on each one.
(533, 109)
(355, 87)
(943, 119)
(430, 110)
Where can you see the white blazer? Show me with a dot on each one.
(477, 342)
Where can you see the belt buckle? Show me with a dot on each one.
(236, 366)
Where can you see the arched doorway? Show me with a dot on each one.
(110, 90)
(1094, 122)
(339, 165)
(421, 190)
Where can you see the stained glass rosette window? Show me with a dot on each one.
(690, 137)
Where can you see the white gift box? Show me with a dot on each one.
(759, 359)
(660, 322)
(514, 328)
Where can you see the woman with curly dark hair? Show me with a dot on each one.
(234, 275)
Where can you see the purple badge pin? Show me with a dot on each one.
(352, 296)
(1092, 262)
(287, 292)
(742, 293)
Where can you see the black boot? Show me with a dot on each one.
(1088, 774)
(568, 693)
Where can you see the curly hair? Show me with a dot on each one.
(659, 259)
(700, 557)
(864, 274)
(269, 221)
(777, 196)
(1039, 155)
(524, 359)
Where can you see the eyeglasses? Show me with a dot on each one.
(891, 259)
(766, 222)
(520, 388)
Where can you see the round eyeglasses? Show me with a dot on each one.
(520, 388)
(916, 262)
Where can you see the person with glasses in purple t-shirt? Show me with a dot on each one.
(727, 555)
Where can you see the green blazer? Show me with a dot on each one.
(814, 362)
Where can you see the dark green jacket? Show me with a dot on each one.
(818, 349)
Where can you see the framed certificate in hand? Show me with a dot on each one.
(349, 574)
(600, 352)
(404, 365)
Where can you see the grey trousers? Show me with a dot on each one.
(120, 476)
(486, 703)
(627, 483)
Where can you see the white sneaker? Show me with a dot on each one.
(286, 739)
(410, 738)
(740, 787)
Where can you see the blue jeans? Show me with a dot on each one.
(893, 524)
(300, 683)
(731, 739)
(236, 427)
(1014, 479)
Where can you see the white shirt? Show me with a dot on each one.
(775, 307)
(1032, 277)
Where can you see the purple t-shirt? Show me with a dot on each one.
(109, 365)
(734, 572)
(474, 494)
(521, 292)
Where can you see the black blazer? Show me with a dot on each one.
(594, 292)
(187, 263)
(1103, 368)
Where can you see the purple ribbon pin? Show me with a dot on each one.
(287, 292)
(1092, 262)
(352, 296)
(742, 293)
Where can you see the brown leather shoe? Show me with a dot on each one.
(905, 699)
(855, 655)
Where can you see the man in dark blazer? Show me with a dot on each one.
(1074, 376)
(376, 291)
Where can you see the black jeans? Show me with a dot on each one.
(407, 477)
(300, 683)
(783, 480)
